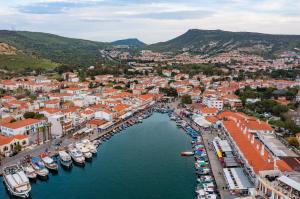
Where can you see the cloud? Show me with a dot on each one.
(177, 15)
(54, 7)
(149, 20)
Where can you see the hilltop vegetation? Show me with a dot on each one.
(58, 49)
(130, 42)
(214, 41)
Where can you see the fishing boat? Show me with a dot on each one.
(29, 171)
(16, 181)
(77, 156)
(49, 162)
(84, 150)
(187, 153)
(65, 159)
(90, 146)
(39, 167)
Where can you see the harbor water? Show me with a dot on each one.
(141, 162)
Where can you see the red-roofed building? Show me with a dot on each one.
(22, 127)
(8, 144)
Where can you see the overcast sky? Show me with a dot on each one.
(149, 20)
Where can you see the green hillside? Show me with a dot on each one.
(21, 63)
(130, 42)
(213, 41)
(58, 49)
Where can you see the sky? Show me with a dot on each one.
(148, 20)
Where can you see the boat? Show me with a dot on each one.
(65, 159)
(77, 156)
(187, 153)
(49, 162)
(39, 167)
(84, 150)
(29, 171)
(90, 146)
(97, 143)
(16, 181)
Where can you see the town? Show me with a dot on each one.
(246, 129)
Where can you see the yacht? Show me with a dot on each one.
(77, 156)
(39, 167)
(49, 162)
(16, 181)
(65, 159)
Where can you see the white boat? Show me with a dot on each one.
(39, 167)
(84, 150)
(77, 156)
(16, 181)
(65, 159)
(49, 162)
(29, 171)
(90, 146)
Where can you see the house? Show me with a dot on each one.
(96, 124)
(206, 111)
(8, 144)
(60, 125)
(55, 103)
(212, 101)
(104, 114)
(22, 127)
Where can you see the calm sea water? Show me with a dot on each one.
(142, 162)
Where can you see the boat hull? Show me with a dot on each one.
(13, 193)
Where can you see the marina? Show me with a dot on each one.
(136, 155)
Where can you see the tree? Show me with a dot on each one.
(186, 99)
(293, 141)
(29, 115)
(18, 148)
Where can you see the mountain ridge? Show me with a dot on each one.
(129, 42)
(203, 41)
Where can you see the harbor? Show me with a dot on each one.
(139, 161)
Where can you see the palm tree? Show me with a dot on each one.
(44, 133)
(38, 135)
(49, 124)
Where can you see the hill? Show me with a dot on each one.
(213, 41)
(77, 52)
(129, 42)
(12, 59)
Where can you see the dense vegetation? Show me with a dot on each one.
(268, 105)
(193, 69)
(130, 42)
(58, 49)
(21, 63)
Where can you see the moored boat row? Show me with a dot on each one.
(205, 188)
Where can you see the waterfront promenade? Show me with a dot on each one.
(216, 167)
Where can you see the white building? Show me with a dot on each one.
(22, 127)
(212, 101)
(104, 114)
